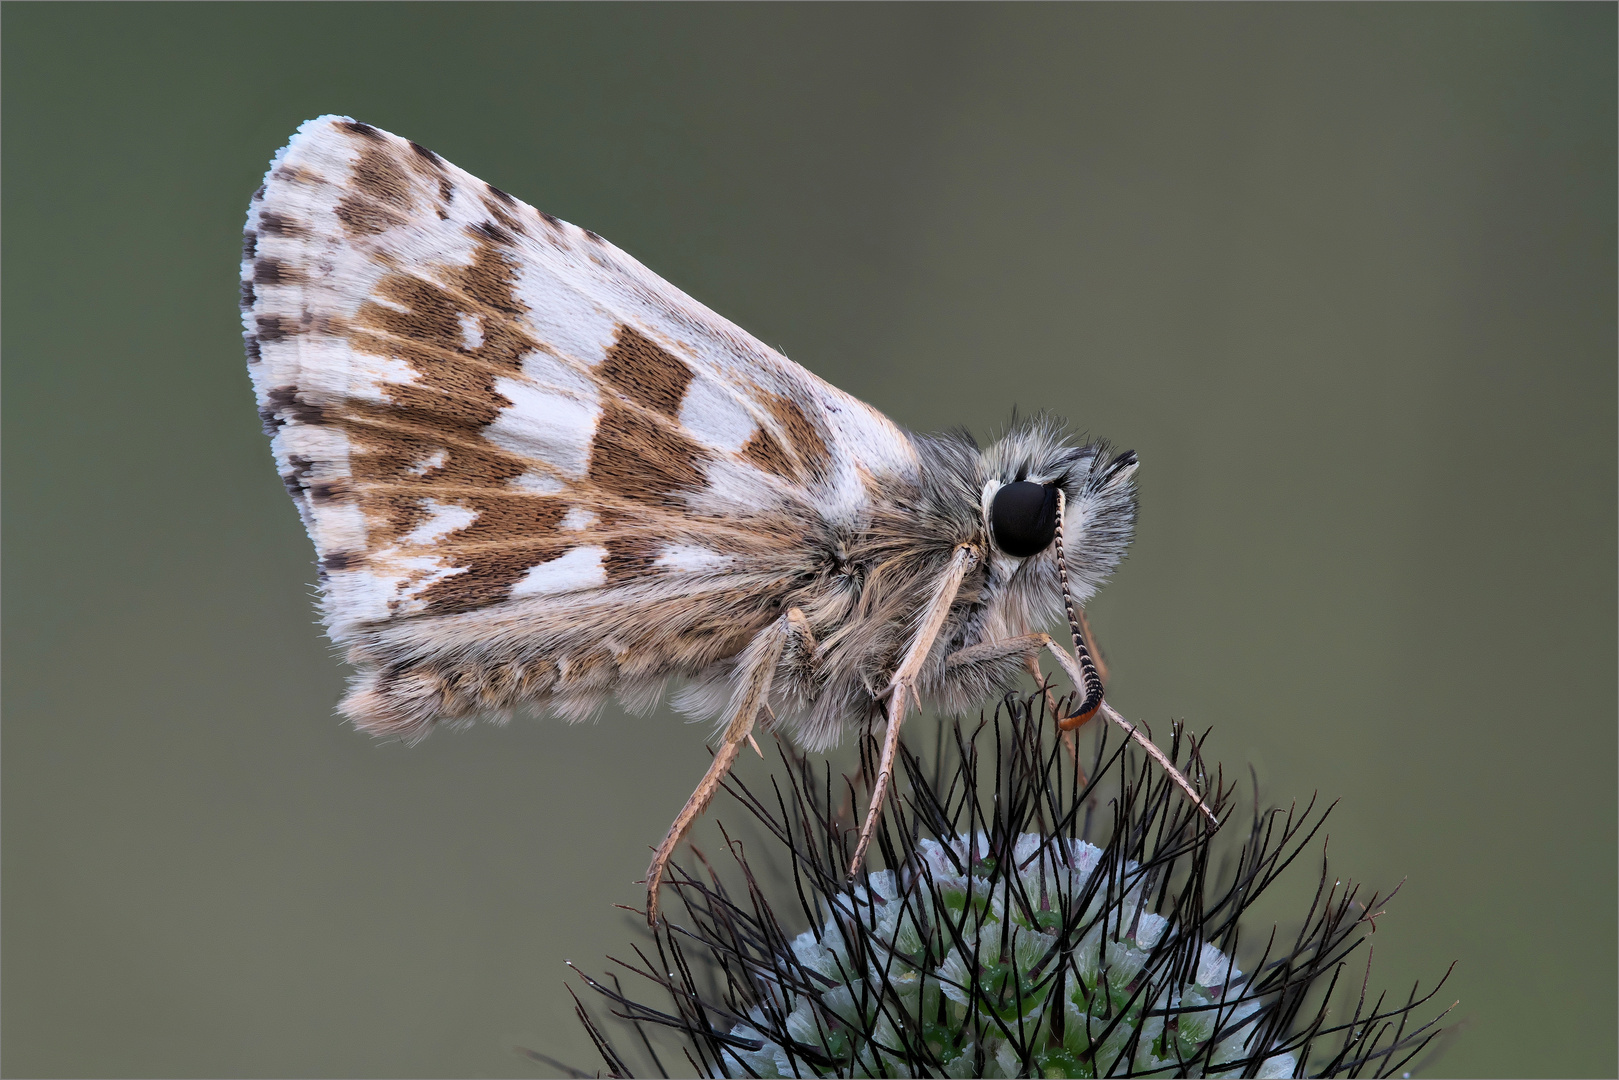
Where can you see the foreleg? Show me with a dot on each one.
(976, 672)
(972, 674)
(972, 669)
(1089, 709)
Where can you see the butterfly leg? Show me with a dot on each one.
(976, 672)
(1068, 740)
(985, 670)
(1078, 674)
(975, 668)
(1101, 672)
(902, 689)
(979, 671)
(757, 669)
(1033, 666)
(799, 666)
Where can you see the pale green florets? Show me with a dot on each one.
(979, 998)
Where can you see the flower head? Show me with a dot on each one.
(1029, 922)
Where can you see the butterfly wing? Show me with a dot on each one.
(532, 469)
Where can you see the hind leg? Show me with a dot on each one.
(752, 695)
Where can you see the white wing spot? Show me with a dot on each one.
(690, 558)
(544, 424)
(580, 568)
(432, 461)
(543, 369)
(471, 331)
(538, 484)
(561, 308)
(405, 578)
(389, 303)
(577, 519)
(443, 519)
(712, 413)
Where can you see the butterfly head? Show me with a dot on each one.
(1029, 476)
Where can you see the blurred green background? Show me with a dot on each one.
(1343, 276)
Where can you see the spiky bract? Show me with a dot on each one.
(1003, 941)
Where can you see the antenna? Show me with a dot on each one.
(1086, 678)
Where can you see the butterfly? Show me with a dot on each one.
(537, 476)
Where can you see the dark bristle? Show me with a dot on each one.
(1125, 459)
(1007, 776)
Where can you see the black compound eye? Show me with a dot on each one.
(1023, 518)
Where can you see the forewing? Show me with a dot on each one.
(474, 404)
